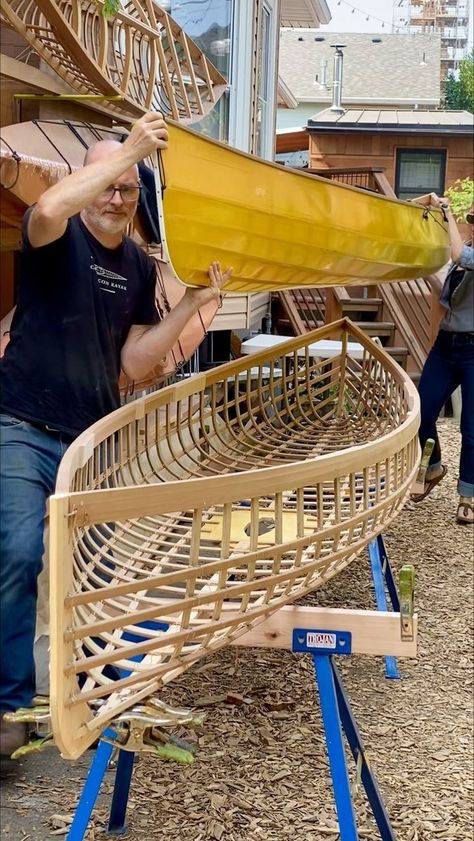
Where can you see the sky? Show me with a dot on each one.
(344, 20)
(378, 11)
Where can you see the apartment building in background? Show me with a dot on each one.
(451, 19)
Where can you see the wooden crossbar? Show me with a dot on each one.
(373, 632)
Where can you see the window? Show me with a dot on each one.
(420, 171)
(209, 24)
(266, 73)
(263, 115)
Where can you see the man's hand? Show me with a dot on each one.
(147, 134)
(203, 294)
(146, 347)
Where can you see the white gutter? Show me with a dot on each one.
(375, 103)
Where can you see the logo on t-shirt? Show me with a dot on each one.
(109, 281)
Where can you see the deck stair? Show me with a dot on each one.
(298, 311)
(402, 315)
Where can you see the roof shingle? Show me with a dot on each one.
(394, 69)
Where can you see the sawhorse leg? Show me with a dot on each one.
(335, 747)
(123, 778)
(356, 745)
(382, 577)
(338, 718)
(92, 786)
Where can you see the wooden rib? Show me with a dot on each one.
(207, 77)
(183, 40)
(104, 45)
(176, 64)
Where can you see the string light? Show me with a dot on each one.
(383, 23)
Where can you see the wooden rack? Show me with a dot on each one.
(139, 55)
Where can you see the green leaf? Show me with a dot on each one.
(110, 8)
(461, 197)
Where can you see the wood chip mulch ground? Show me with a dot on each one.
(261, 772)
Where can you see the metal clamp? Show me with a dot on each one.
(406, 587)
(39, 717)
(143, 729)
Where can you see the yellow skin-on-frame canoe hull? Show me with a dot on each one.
(282, 229)
(278, 228)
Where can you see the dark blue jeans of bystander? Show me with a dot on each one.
(450, 364)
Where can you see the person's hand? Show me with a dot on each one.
(203, 294)
(147, 134)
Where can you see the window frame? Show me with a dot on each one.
(441, 152)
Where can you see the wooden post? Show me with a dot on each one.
(333, 309)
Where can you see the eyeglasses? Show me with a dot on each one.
(470, 218)
(128, 192)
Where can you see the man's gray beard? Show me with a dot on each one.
(107, 224)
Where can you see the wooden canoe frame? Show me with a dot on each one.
(122, 557)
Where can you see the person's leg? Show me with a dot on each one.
(28, 466)
(439, 378)
(465, 360)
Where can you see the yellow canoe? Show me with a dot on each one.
(282, 229)
(278, 228)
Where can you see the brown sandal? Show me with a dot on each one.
(429, 485)
(465, 514)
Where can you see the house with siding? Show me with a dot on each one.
(420, 151)
(395, 71)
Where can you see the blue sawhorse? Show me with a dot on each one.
(383, 579)
(336, 712)
(338, 719)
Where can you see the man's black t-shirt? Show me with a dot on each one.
(76, 303)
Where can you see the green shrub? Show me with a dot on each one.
(461, 197)
(110, 8)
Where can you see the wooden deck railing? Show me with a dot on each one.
(367, 177)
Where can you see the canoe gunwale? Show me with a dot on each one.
(80, 450)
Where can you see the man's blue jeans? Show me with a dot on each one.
(29, 461)
(450, 364)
